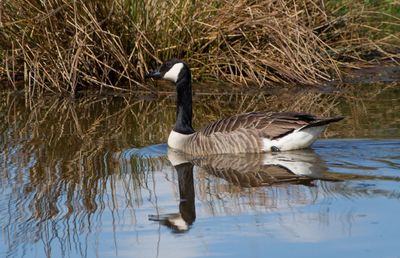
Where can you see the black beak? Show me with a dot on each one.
(153, 74)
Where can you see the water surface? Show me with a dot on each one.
(93, 178)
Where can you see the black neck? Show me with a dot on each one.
(184, 105)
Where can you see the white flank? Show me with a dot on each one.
(298, 139)
(173, 73)
(177, 140)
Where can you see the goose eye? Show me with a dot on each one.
(168, 64)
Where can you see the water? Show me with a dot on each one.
(93, 178)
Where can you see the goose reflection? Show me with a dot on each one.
(247, 170)
(254, 170)
(181, 221)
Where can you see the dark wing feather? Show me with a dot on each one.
(269, 125)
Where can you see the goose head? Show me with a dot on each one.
(178, 72)
(173, 70)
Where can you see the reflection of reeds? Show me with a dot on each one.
(62, 46)
(58, 161)
(62, 159)
(371, 110)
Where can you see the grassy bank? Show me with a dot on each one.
(63, 46)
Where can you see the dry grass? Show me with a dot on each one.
(63, 46)
(60, 45)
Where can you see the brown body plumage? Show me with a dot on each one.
(245, 133)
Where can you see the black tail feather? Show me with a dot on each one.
(323, 121)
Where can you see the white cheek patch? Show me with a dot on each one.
(173, 73)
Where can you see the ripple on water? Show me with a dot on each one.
(372, 157)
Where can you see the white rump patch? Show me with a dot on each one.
(177, 140)
(298, 139)
(173, 73)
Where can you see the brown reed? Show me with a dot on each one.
(63, 46)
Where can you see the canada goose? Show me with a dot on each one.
(252, 132)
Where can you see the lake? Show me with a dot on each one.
(93, 177)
